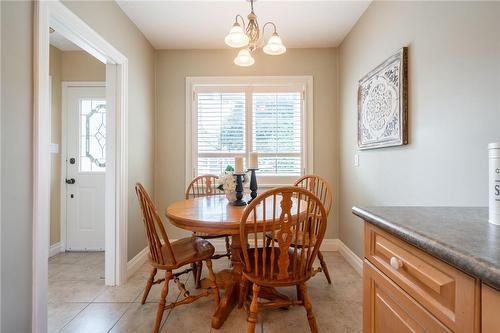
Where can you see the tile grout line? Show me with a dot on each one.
(170, 311)
(123, 314)
(73, 318)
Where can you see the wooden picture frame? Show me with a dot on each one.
(383, 104)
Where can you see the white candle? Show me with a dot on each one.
(253, 162)
(238, 165)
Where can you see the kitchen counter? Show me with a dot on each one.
(460, 236)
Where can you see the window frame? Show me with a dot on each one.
(249, 85)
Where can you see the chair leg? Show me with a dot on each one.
(194, 270)
(243, 292)
(252, 315)
(299, 293)
(149, 284)
(161, 305)
(228, 248)
(307, 304)
(324, 267)
(211, 277)
(199, 269)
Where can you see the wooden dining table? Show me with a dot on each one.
(214, 215)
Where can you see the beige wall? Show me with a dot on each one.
(17, 139)
(55, 167)
(75, 66)
(16, 165)
(108, 20)
(174, 66)
(454, 107)
(81, 66)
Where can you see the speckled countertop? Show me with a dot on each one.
(460, 236)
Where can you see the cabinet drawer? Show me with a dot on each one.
(388, 309)
(449, 294)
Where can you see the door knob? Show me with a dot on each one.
(70, 181)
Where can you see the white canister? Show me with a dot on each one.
(494, 182)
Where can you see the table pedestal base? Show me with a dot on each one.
(229, 280)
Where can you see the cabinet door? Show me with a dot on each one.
(388, 309)
(490, 310)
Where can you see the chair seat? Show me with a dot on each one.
(187, 250)
(275, 279)
(299, 239)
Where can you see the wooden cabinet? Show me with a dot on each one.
(490, 310)
(443, 290)
(407, 290)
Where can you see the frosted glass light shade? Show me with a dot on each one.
(244, 58)
(274, 45)
(236, 37)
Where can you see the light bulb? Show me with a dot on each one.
(274, 45)
(244, 58)
(236, 37)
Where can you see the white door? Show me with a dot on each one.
(85, 167)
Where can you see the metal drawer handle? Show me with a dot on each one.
(396, 263)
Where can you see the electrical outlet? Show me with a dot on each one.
(356, 160)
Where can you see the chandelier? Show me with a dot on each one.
(247, 38)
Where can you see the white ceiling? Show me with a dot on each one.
(203, 24)
(60, 42)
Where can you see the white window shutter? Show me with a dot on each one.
(276, 132)
(220, 130)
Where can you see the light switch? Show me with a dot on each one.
(356, 160)
(54, 148)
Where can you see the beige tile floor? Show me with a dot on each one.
(80, 302)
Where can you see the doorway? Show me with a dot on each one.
(84, 166)
(54, 14)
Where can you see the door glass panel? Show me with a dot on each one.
(92, 135)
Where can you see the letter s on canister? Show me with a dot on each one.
(494, 182)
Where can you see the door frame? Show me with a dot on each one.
(64, 153)
(54, 13)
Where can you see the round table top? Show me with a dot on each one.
(213, 214)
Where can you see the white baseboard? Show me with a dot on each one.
(329, 244)
(355, 261)
(55, 249)
(136, 262)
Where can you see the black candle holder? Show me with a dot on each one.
(253, 184)
(239, 190)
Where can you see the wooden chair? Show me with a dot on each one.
(321, 188)
(298, 217)
(200, 186)
(168, 256)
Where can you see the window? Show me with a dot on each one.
(92, 135)
(230, 117)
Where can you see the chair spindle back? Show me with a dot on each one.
(286, 212)
(203, 186)
(320, 187)
(152, 224)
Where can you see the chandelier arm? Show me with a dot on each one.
(262, 40)
(242, 20)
